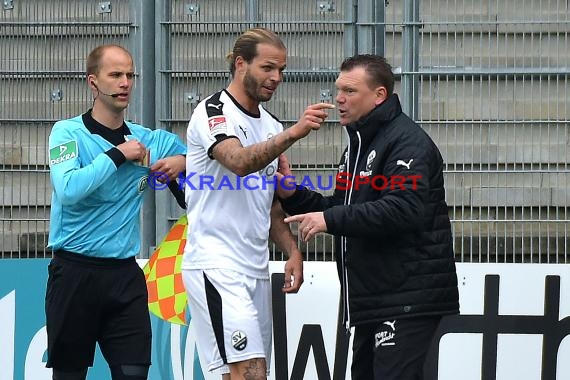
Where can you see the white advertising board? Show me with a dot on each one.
(514, 324)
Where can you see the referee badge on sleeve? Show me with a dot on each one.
(63, 152)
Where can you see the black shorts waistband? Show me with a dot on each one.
(95, 261)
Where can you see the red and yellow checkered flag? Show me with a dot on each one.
(166, 294)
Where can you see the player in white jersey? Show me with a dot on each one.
(233, 145)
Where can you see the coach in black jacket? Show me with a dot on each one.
(392, 231)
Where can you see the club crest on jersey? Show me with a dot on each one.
(217, 125)
(143, 184)
(370, 160)
(239, 340)
(268, 171)
(342, 167)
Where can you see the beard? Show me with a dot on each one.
(252, 88)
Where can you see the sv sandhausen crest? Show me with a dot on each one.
(342, 167)
(370, 160)
(239, 340)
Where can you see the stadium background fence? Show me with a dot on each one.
(488, 80)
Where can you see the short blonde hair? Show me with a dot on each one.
(94, 58)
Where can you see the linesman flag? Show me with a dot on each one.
(166, 294)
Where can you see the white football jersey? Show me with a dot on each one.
(228, 216)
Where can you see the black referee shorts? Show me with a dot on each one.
(93, 300)
(392, 349)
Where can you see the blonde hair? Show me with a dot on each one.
(246, 45)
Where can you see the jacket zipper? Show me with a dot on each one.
(347, 199)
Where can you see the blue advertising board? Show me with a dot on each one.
(23, 339)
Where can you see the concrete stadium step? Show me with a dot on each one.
(39, 11)
(477, 190)
(474, 189)
(469, 248)
(207, 52)
(23, 229)
(505, 249)
(31, 98)
(24, 188)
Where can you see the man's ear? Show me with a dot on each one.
(240, 64)
(381, 94)
(91, 81)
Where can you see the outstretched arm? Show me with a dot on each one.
(310, 224)
(246, 160)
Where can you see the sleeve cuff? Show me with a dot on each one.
(117, 157)
(219, 139)
(329, 221)
(288, 204)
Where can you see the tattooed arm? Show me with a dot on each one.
(281, 235)
(246, 160)
(249, 369)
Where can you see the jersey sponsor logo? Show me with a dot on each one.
(63, 152)
(217, 125)
(239, 340)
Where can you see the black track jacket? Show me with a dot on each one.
(393, 240)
